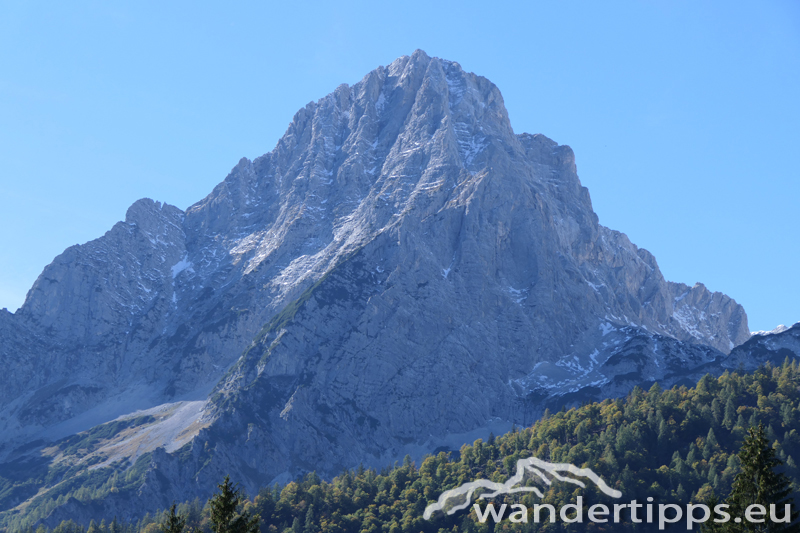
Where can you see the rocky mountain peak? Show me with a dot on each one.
(147, 213)
(400, 270)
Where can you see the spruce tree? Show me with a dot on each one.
(730, 414)
(709, 526)
(224, 516)
(758, 483)
(309, 525)
(297, 526)
(174, 523)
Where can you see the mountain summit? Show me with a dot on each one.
(400, 272)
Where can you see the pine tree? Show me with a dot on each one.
(224, 506)
(297, 527)
(758, 483)
(710, 445)
(174, 522)
(709, 526)
(730, 414)
(309, 525)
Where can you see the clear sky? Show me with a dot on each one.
(683, 115)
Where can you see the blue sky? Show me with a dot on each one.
(683, 115)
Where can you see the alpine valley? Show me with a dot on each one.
(402, 274)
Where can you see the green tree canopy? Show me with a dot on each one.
(224, 506)
(758, 483)
(174, 523)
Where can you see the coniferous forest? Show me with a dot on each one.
(679, 445)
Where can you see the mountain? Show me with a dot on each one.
(401, 273)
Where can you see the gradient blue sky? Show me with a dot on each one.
(683, 116)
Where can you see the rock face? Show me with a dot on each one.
(401, 269)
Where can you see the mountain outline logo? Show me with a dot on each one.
(533, 465)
